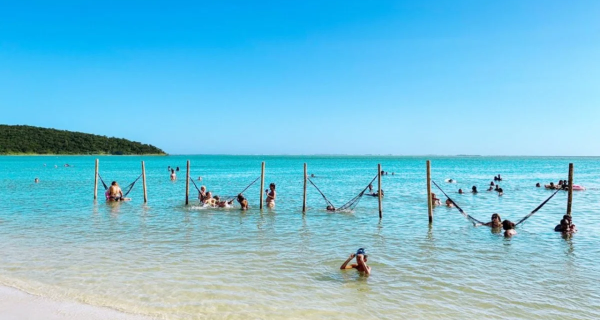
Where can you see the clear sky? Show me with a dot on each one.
(512, 77)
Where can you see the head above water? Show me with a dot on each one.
(474, 188)
(241, 197)
(507, 225)
(114, 183)
(496, 217)
(202, 188)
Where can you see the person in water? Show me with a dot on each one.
(550, 186)
(460, 191)
(115, 193)
(173, 175)
(243, 202)
(496, 221)
(490, 188)
(474, 189)
(36, 180)
(330, 208)
(537, 185)
(491, 183)
(370, 187)
(566, 225)
(271, 195)
(435, 201)
(361, 262)
(209, 200)
(202, 194)
(509, 228)
(376, 194)
(223, 203)
(449, 203)
(177, 169)
(500, 191)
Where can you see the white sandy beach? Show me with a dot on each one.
(19, 305)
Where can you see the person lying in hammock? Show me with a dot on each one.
(330, 208)
(115, 193)
(222, 203)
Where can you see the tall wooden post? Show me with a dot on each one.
(262, 183)
(570, 198)
(379, 191)
(144, 182)
(96, 182)
(429, 203)
(187, 184)
(304, 194)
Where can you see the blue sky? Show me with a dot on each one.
(310, 77)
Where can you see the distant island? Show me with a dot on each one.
(15, 140)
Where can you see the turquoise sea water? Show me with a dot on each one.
(175, 262)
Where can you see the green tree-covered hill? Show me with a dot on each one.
(36, 140)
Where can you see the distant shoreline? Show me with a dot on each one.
(78, 155)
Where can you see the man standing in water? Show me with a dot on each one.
(361, 262)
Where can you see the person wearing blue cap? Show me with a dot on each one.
(361, 262)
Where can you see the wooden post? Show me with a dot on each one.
(379, 191)
(96, 182)
(570, 198)
(262, 183)
(187, 184)
(429, 203)
(304, 197)
(144, 182)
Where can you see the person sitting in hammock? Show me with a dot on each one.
(222, 203)
(330, 208)
(115, 193)
(209, 200)
(496, 221)
(509, 228)
(550, 186)
(202, 194)
(242, 201)
(361, 262)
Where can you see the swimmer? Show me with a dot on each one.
(490, 188)
(36, 180)
(497, 187)
(499, 178)
(173, 175)
(449, 203)
(496, 221)
(169, 168)
(243, 202)
(199, 178)
(474, 189)
(271, 195)
(460, 191)
(330, 208)
(500, 191)
(550, 186)
(434, 200)
(382, 172)
(492, 183)
(450, 180)
(202, 194)
(509, 228)
(361, 262)
(537, 185)
(177, 169)
(312, 175)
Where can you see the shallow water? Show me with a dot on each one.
(175, 262)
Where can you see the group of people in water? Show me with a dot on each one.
(206, 198)
(562, 185)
